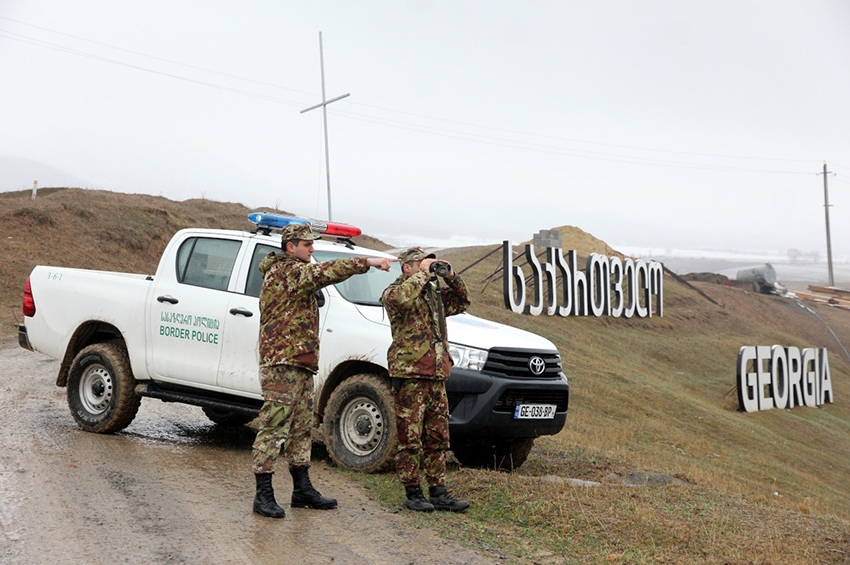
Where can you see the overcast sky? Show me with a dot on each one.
(671, 124)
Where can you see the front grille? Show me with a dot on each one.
(515, 363)
(511, 397)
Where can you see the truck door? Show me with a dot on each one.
(240, 355)
(188, 310)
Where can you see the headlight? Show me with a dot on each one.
(468, 357)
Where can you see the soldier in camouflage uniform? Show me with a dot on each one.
(419, 363)
(289, 354)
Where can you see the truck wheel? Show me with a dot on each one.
(228, 418)
(503, 456)
(101, 389)
(360, 431)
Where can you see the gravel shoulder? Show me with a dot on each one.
(171, 488)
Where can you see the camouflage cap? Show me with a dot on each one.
(414, 254)
(298, 231)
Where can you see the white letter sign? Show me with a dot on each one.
(782, 377)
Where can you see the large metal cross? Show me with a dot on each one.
(324, 107)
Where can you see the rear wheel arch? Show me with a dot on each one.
(86, 334)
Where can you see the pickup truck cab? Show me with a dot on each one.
(189, 334)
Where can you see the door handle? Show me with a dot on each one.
(241, 312)
(167, 298)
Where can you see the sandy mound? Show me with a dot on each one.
(584, 243)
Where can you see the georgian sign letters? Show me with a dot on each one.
(608, 286)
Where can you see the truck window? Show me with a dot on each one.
(207, 262)
(362, 289)
(255, 277)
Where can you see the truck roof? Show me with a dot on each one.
(326, 243)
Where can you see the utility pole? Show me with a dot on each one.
(826, 212)
(324, 107)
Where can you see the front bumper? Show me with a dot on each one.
(481, 405)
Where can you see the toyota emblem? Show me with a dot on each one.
(536, 365)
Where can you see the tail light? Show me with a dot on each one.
(29, 301)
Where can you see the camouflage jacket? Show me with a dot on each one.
(417, 314)
(289, 312)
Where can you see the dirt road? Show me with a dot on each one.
(171, 488)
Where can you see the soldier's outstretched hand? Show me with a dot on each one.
(382, 263)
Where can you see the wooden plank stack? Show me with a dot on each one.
(831, 295)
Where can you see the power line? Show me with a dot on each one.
(583, 140)
(420, 128)
(63, 49)
(541, 148)
(173, 62)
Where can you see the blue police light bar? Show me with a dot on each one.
(275, 221)
(264, 220)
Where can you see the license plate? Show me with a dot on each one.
(534, 411)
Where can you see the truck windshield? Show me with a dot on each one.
(362, 289)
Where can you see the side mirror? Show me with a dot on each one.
(320, 298)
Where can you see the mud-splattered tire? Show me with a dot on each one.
(503, 456)
(101, 389)
(227, 418)
(359, 422)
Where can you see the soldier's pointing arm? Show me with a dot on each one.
(320, 275)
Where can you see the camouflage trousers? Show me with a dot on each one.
(286, 418)
(422, 420)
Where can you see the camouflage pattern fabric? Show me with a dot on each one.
(298, 231)
(289, 313)
(422, 420)
(414, 254)
(286, 418)
(417, 311)
(289, 353)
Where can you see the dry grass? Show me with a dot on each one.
(658, 394)
(643, 525)
(654, 394)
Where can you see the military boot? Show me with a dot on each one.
(416, 500)
(303, 493)
(264, 502)
(443, 500)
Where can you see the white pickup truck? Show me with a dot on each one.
(189, 334)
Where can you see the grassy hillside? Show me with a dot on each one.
(654, 394)
(662, 390)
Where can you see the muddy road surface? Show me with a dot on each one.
(171, 488)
